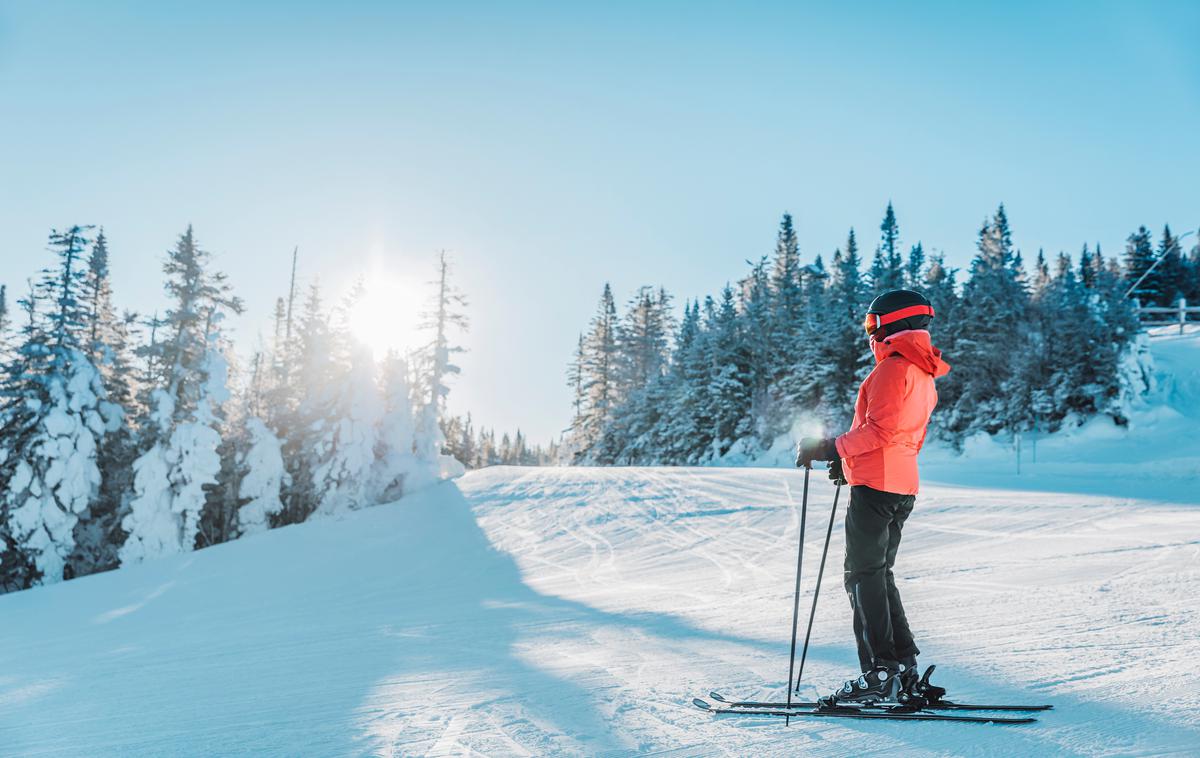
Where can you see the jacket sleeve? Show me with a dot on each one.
(886, 396)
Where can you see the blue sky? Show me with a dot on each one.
(551, 147)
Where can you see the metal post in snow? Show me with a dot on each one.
(1182, 313)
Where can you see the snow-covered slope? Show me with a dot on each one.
(577, 611)
(615, 596)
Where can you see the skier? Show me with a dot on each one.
(878, 458)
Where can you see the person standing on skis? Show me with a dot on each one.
(878, 458)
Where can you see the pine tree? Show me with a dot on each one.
(600, 384)
(5, 322)
(317, 374)
(108, 347)
(575, 378)
(782, 302)
(397, 469)
(262, 479)
(1192, 280)
(445, 314)
(182, 457)
(344, 456)
(773, 321)
(1171, 270)
(1087, 274)
(887, 267)
(53, 414)
(1139, 257)
(998, 304)
(729, 385)
(847, 302)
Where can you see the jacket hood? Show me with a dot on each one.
(917, 347)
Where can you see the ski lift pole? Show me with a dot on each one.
(817, 590)
(796, 598)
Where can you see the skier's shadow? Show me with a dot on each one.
(486, 634)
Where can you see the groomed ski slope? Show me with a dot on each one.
(577, 611)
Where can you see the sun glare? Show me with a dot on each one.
(387, 316)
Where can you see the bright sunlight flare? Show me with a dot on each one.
(387, 316)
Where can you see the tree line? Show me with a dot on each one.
(1032, 346)
(480, 449)
(125, 438)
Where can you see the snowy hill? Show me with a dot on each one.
(615, 595)
(577, 611)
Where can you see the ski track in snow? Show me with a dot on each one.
(577, 611)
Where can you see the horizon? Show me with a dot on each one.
(550, 151)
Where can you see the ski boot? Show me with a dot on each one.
(879, 685)
(917, 691)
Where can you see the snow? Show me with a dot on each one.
(576, 611)
(170, 478)
(59, 476)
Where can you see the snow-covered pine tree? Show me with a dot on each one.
(575, 378)
(941, 287)
(600, 383)
(773, 323)
(316, 376)
(998, 305)
(444, 315)
(686, 429)
(847, 300)
(643, 340)
(397, 470)
(98, 534)
(262, 478)
(53, 414)
(344, 456)
(729, 385)
(181, 441)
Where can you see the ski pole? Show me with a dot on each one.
(817, 589)
(796, 599)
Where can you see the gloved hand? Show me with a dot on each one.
(815, 449)
(836, 475)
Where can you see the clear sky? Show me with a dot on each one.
(553, 146)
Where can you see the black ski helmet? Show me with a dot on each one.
(896, 311)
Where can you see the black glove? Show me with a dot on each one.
(836, 475)
(815, 449)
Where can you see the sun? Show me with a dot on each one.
(387, 315)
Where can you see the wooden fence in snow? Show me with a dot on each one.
(1159, 316)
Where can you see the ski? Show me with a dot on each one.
(941, 705)
(855, 713)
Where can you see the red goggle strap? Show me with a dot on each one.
(903, 313)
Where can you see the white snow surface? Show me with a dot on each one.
(577, 611)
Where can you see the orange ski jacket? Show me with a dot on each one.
(892, 412)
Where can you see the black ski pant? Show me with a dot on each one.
(873, 524)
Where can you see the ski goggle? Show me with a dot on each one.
(873, 321)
